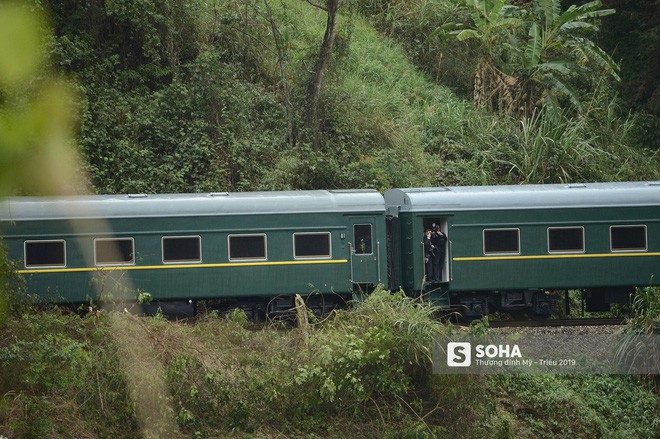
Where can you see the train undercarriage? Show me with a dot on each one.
(537, 303)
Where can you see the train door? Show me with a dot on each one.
(364, 252)
(436, 259)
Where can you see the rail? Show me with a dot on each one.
(556, 322)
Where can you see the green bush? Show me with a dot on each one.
(606, 406)
(646, 309)
(374, 356)
(60, 377)
(205, 131)
(645, 322)
(195, 97)
(238, 316)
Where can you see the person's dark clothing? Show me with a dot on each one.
(429, 255)
(439, 241)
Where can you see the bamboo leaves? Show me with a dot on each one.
(541, 50)
(534, 47)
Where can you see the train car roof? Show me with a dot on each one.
(461, 198)
(181, 205)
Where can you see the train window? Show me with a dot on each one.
(111, 251)
(628, 238)
(45, 253)
(311, 245)
(501, 241)
(565, 239)
(247, 247)
(362, 235)
(186, 249)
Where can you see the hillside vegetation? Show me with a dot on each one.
(363, 372)
(182, 96)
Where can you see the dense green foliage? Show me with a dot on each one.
(632, 36)
(645, 322)
(37, 110)
(60, 377)
(358, 362)
(558, 406)
(187, 96)
(646, 309)
(365, 369)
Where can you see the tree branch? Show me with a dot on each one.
(317, 5)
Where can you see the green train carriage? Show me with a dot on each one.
(253, 250)
(509, 245)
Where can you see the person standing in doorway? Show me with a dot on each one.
(439, 242)
(429, 255)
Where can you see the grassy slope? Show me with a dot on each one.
(364, 370)
(423, 133)
(384, 123)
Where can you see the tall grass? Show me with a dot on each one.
(569, 406)
(555, 147)
(60, 376)
(228, 114)
(368, 366)
(646, 307)
(641, 336)
(366, 369)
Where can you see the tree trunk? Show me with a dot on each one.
(312, 122)
(281, 60)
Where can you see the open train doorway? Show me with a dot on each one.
(436, 250)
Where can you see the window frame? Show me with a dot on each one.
(500, 229)
(328, 256)
(630, 250)
(247, 235)
(574, 251)
(114, 264)
(371, 234)
(43, 241)
(180, 261)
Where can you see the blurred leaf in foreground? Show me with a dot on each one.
(37, 110)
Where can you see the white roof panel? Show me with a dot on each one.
(181, 205)
(544, 196)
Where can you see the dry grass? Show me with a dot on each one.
(145, 375)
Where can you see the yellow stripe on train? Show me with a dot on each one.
(173, 266)
(562, 256)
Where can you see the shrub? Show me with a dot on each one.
(546, 405)
(370, 358)
(60, 377)
(646, 307)
(640, 336)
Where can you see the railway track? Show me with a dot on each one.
(556, 322)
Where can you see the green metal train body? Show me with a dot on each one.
(249, 248)
(507, 245)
